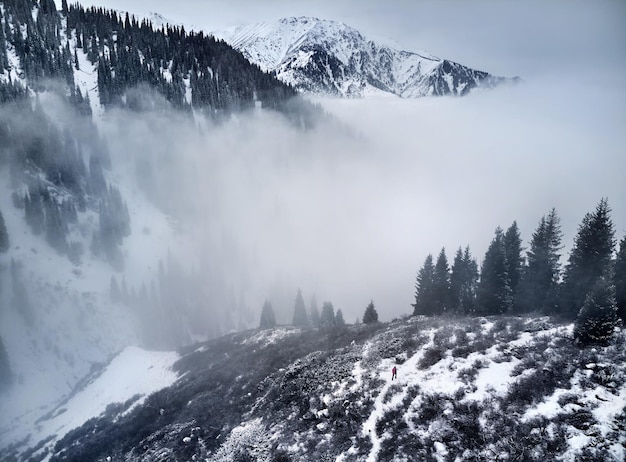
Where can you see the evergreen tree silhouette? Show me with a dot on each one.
(300, 317)
(493, 292)
(314, 314)
(463, 282)
(598, 317)
(620, 280)
(589, 259)
(425, 289)
(339, 320)
(327, 317)
(540, 279)
(370, 316)
(268, 319)
(441, 284)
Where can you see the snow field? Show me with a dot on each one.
(134, 373)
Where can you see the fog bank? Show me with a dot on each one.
(272, 208)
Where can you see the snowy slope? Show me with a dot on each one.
(72, 325)
(324, 56)
(467, 389)
(128, 378)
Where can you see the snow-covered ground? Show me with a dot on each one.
(495, 370)
(133, 374)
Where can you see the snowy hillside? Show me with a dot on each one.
(329, 57)
(467, 389)
(129, 378)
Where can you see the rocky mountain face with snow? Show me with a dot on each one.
(329, 57)
(467, 389)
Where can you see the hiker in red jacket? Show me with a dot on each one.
(394, 373)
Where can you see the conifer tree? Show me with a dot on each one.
(456, 281)
(268, 319)
(540, 279)
(463, 282)
(424, 289)
(589, 259)
(494, 292)
(370, 316)
(314, 314)
(339, 320)
(620, 280)
(300, 317)
(4, 235)
(597, 318)
(327, 317)
(441, 284)
(514, 258)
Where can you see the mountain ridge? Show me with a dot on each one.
(329, 57)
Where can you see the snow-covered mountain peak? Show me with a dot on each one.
(330, 57)
(268, 44)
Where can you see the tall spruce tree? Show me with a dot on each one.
(424, 289)
(620, 280)
(300, 317)
(371, 315)
(540, 279)
(441, 284)
(314, 314)
(514, 258)
(4, 235)
(268, 319)
(597, 318)
(589, 259)
(339, 320)
(327, 317)
(463, 282)
(456, 281)
(494, 292)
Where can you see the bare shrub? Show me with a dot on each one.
(432, 356)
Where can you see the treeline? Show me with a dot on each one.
(590, 289)
(312, 317)
(303, 317)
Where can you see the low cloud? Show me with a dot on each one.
(351, 218)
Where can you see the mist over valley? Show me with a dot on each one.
(166, 205)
